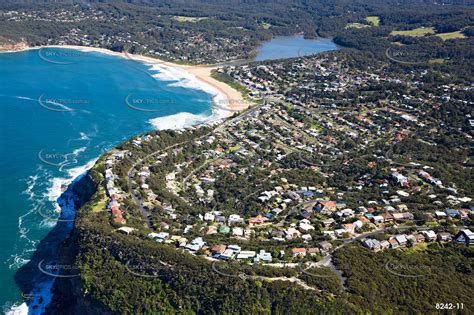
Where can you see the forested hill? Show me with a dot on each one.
(199, 31)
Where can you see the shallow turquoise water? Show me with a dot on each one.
(293, 46)
(59, 110)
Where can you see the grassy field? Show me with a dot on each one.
(417, 32)
(374, 20)
(452, 35)
(436, 60)
(191, 19)
(356, 25)
(100, 205)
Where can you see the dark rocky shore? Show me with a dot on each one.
(59, 248)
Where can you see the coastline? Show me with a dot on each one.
(226, 101)
(225, 97)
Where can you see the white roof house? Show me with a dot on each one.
(306, 227)
(126, 230)
(429, 235)
(234, 248)
(237, 231)
(246, 254)
(208, 216)
(196, 244)
(263, 256)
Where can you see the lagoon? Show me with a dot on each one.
(293, 46)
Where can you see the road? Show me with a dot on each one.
(137, 200)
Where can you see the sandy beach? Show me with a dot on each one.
(234, 99)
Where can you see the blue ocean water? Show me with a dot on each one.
(60, 109)
(293, 46)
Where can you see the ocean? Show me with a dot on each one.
(60, 110)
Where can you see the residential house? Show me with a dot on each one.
(292, 233)
(228, 254)
(452, 213)
(220, 219)
(420, 238)
(372, 244)
(440, 214)
(384, 244)
(325, 246)
(465, 237)
(329, 222)
(444, 237)
(211, 230)
(429, 235)
(328, 207)
(195, 245)
(298, 252)
(235, 219)
(159, 237)
(377, 219)
(218, 249)
(258, 220)
(126, 230)
(313, 251)
(209, 216)
(393, 243)
(387, 217)
(224, 229)
(246, 254)
(401, 239)
(304, 227)
(238, 231)
(263, 256)
(163, 225)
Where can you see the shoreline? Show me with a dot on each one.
(233, 100)
(226, 100)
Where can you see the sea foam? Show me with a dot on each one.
(17, 309)
(182, 78)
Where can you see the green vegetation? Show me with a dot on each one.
(417, 32)
(437, 60)
(451, 35)
(356, 25)
(408, 283)
(190, 19)
(100, 205)
(374, 20)
(176, 282)
(134, 274)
